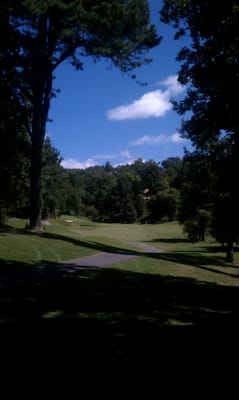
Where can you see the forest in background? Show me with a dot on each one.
(144, 192)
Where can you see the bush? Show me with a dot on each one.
(3, 215)
(192, 229)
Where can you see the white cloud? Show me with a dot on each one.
(104, 157)
(173, 86)
(149, 140)
(152, 140)
(152, 104)
(125, 154)
(125, 162)
(72, 163)
(123, 157)
(176, 138)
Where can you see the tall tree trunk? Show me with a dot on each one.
(230, 253)
(35, 183)
(40, 114)
(41, 95)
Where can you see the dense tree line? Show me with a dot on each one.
(143, 192)
(126, 193)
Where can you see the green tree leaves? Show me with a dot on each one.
(40, 35)
(210, 68)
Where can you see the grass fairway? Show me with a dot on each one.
(161, 325)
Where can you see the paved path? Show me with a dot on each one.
(100, 260)
(146, 248)
(104, 259)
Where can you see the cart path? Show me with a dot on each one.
(104, 259)
(145, 247)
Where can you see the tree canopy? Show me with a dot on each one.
(210, 70)
(209, 67)
(39, 35)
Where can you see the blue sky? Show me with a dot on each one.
(101, 115)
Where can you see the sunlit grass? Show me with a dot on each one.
(70, 237)
(56, 244)
(166, 265)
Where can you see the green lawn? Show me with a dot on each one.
(161, 323)
(64, 240)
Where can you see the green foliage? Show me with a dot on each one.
(209, 66)
(54, 185)
(173, 168)
(152, 175)
(14, 167)
(40, 35)
(109, 194)
(15, 144)
(164, 205)
(3, 214)
(197, 195)
(210, 69)
(198, 225)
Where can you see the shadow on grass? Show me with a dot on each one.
(169, 240)
(219, 249)
(193, 259)
(100, 247)
(102, 328)
(6, 229)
